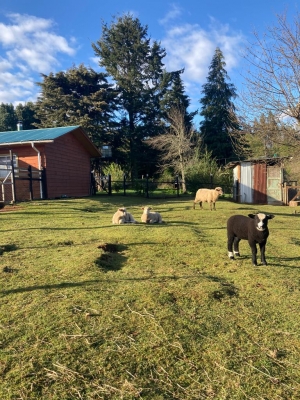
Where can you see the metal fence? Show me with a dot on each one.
(148, 187)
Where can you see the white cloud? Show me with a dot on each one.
(16, 88)
(4, 65)
(28, 46)
(191, 47)
(171, 15)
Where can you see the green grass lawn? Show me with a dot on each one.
(166, 316)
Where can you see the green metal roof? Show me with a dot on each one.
(34, 135)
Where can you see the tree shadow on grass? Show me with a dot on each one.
(283, 263)
(114, 261)
(228, 287)
(276, 262)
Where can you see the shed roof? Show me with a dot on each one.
(266, 160)
(47, 135)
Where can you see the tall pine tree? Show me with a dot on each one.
(175, 98)
(135, 65)
(218, 112)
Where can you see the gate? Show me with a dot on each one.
(21, 184)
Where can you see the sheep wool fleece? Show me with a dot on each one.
(253, 228)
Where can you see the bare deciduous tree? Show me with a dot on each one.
(176, 147)
(273, 79)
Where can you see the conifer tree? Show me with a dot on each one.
(26, 114)
(218, 111)
(79, 96)
(8, 117)
(176, 99)
(135, 65)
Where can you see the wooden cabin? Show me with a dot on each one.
(45, 163)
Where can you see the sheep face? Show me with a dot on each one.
(261, 220)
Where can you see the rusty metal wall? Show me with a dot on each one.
(260, 184)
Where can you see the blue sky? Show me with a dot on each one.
(49, 36)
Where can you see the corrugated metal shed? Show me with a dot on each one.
(258, 180)
(34, 135)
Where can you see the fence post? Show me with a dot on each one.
(12, 176)
(211, 181)
(147, 186)
(109, 184)
(30, 182)
(44, 183)
(124, 184)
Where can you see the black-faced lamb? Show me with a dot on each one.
(151, 217)
(122, 216)
(208, 195)
(253, 228)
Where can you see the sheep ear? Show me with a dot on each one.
(270, 216)
(251, 215)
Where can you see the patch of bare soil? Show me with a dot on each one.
(8, 208)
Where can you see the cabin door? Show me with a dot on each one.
(274, 185)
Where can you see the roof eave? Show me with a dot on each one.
(27, 142)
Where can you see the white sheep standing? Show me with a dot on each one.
(151, 217)
(122, 216)
(208, 195)
(253, 228)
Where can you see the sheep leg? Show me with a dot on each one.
(262, 247)
(214, 206)
(229, 247)
(236, 242)
(254, 253)
(195, 202)
(200, 204)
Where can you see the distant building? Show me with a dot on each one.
(259, 180)
(45, 163)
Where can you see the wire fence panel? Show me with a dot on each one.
(149, 188)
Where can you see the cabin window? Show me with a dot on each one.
(106, 152)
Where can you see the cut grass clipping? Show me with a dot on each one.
(91, 310)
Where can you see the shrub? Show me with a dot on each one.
(115, 171)
(202, 169)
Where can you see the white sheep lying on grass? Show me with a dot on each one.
(122, 216)
(151, 217)
(208, 195)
